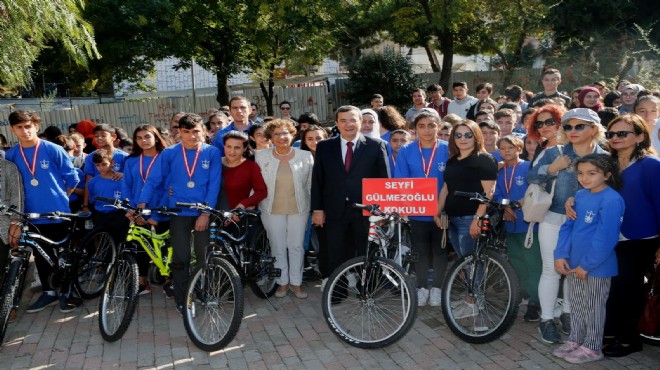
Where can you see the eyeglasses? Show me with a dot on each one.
(547, 122)
(281, 134)
(578, 127)
(630, 94)
(622, 134)
(285, 108)
(468, 135)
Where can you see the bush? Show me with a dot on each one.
(388, 74)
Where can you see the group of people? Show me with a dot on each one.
(601, 231)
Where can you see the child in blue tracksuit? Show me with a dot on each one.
(104, 185)
(191, 171)
(512, 184)
(585, 254)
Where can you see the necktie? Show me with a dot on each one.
(349, 156)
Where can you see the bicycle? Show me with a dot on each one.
(481, 290)
(84, 265)
(371, 301)
(119, 300)
(213, 308)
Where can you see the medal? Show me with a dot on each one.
(427, 169)
(32, 168)
(145, 175)
(190, 171)
(509, 184)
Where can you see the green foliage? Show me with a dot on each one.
(388, 74)
(26, 26)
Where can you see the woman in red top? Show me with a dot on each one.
(242, 185)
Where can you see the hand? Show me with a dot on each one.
(475, 229)
(14, 234)
(437, 221)
(562, 162)
(580, 273)
(570, 211)
(510, 215)
(118, 176)
(130, 215)
(318, 218)
(562, 267)
(202, 222)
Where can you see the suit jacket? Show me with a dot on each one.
(332, 186)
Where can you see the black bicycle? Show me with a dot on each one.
(481, 291)
(238, 252)
(85, 265)
(371, 301)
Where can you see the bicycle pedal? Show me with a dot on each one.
(273, 272)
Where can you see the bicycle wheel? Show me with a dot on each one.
(482, 311)
(373, 315)
(11, 291)
(261, 280)
(119, 300)
(93, 266)
(213, 309)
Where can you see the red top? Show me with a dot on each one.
(238, 182)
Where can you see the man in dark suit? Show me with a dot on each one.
(339, 167)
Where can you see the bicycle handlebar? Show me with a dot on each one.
(374, 209)
(203, 207)
(56, 215)
(481, 198)
(126, 205)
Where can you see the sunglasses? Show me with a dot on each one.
(468, 135)
(578, 127)
(285, 108)
(547, 122)
(622, 134)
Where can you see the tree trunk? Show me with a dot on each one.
(223, 88)
(433, 59)
(447, 49)
(268, 93)
(630, 62)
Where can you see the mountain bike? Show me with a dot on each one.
(237, 252)
(371, 301)
(481, 290)
(119, 300)
(83, 265)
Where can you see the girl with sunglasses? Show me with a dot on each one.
(582, 132)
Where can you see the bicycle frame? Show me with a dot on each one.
(152, 243)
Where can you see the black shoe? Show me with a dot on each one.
(619, 350)
(179, 309)
(532, 314)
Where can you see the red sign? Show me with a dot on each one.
(407, 197)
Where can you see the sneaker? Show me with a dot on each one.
(582, 355)
(44, 301)
(435, 297)
(565, 349)
(179, 309)
(168, 289)
(422, 297)
(144, 289)
(549, 333)
(565, 320)
(69, 303)
(532, 314)
(323, 282)
(465, 310)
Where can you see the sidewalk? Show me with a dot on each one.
(293, 337)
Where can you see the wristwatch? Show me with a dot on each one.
(476, 217)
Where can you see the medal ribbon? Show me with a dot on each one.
(427, 169)
(190, 171)
(509, 184)
(32, 168)
(143, 175)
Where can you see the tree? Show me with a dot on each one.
(389, 74)
(26, 26)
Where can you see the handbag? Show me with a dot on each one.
(649, 322)
(536, 204)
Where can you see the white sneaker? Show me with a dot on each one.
(435, 298)
(464, 311)
(352, 281)
(422, 296)
(323, 283)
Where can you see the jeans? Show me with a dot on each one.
(550, 278)
(459, 235)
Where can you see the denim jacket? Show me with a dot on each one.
(567, 183)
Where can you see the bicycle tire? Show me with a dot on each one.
(495, 307)
(213, 309)
(262, 284)
(119, 300)
(93, 266)
(388, 291)
(10, 294)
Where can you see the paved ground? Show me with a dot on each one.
(292, 337)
